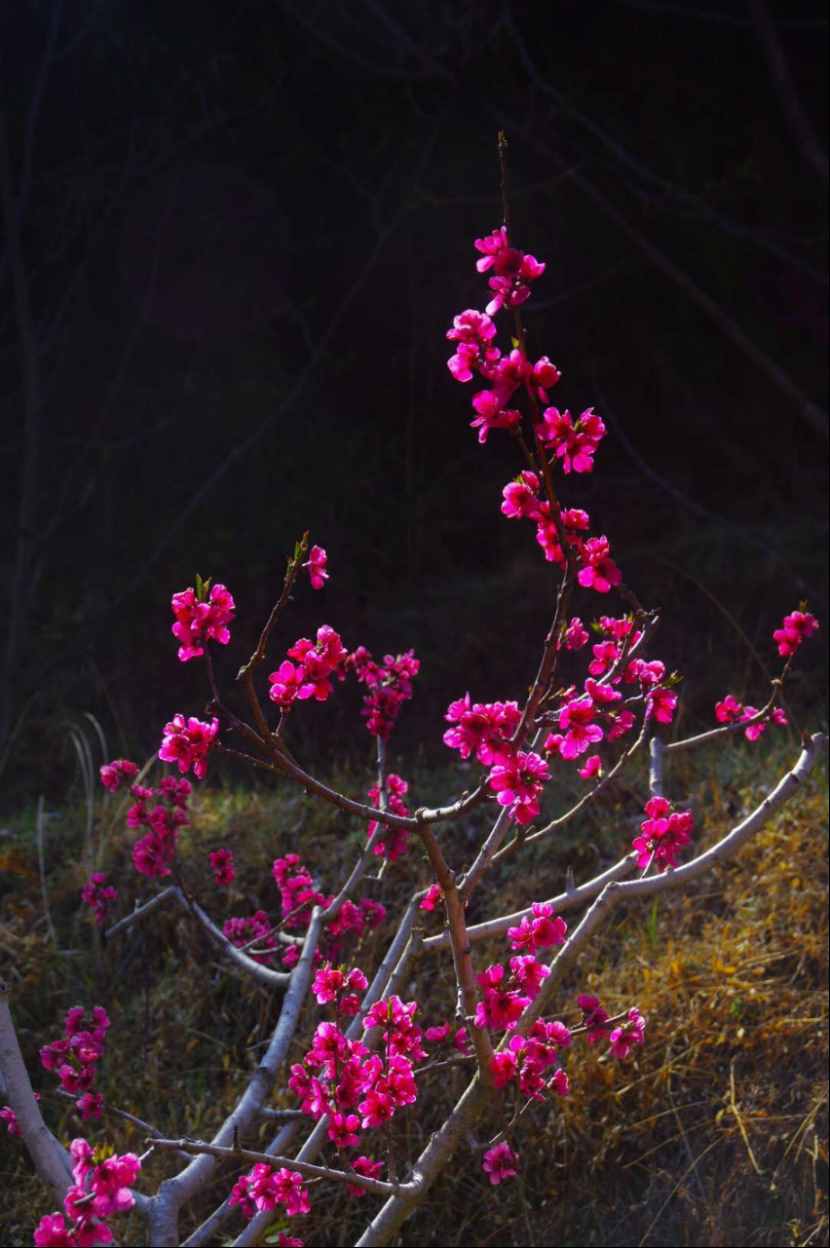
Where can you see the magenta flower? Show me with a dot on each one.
(598, 569)
(592, 768)
(632, 1032)
(521, 500)
(576, 722)
(119, 771)
(198, 621)
(99, 896)
(795, 628)
(316, 565)
(500, 1163)
(518, 782)
(663, 835)
(187, 742)
(543, 929)
(661, 704)
(369, 1169)
(221, 862)
(573, 443)
(728, 710)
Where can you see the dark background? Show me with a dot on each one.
(233, 239)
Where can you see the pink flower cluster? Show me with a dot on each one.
(663, 834)
(598, 1027)
(99, 896)
(396, 840)
(500, 1163)
(341, 988)
(527, 1059)
(795, 628)
(316, 564)
(187, 743)
(8, 1116)
(99, 1192)
(518, 784)
(486, 729)
(574, 443)
(200, 619)
(389, 685)
(221, 864)
(256, 929)
(264, 1188)
(163, 810)
(74, 1058)
(298, 896)
(730, 711)
(357, 1088)
(311, 673)
(512, 270)
(119, 771)
(522, 501)
(543, 929)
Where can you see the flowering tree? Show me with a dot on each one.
(599, 701)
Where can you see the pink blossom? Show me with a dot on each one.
(285, 683)
(661, 704)
(545, 377)
(575, 635)
(199, 620)
(518, 782)
(795, 628)
(99, 896)
(576, 722)
(90, 1105)
(119, 771)
(598, 569)
(369, 1169)
(632, 1032)
(543, 929)
(52, 1232)
(663, 835)
(728, 710)
(316, 565)
(491, 413)
(521, 499)
(605, 655)
(187, 743)
(594, 1017)
(592, 768)
(500, 1163)
(473, 331)
(482, 728)
(574, 443)
(432, 897)
(221, 862)
(395, 842)
(503, 1068)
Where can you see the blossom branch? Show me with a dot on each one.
(198, 1148)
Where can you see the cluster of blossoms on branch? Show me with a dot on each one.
(201, 615)
(99, 895)
(357, 1088)
(663, 834)
(395, 841)
(730, 711)
(264, 1188)
(74, 1058)
(258, 933)
(163, 811)
(100, 1191)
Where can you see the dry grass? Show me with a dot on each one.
(715, 1135)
